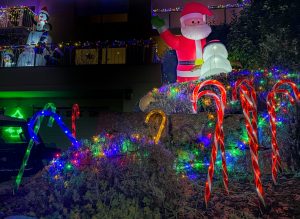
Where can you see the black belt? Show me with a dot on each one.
(186, 62)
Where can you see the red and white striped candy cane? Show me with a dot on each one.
(271, 104)
(248, 101)
(75, 115)
(219, 133)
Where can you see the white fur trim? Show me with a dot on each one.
(187, 74)
(191, 15)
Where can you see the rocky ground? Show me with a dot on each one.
(282, 201)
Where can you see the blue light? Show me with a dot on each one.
(48, 113)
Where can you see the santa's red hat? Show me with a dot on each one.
(44, 10)
(194, 10)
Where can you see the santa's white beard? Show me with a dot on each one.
(197, 32)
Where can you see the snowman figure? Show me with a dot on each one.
(30, 57)
(7, 58)
(36, 49)
(42, 28)
(196, 58)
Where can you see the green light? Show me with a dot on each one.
(183, 156)
(235, 152)
(69, 166)
(18, 114)
(96, 150)
(196, 152)
(233, 103)
(18, 180)
(125, 146)
(198, 165)
(34, 94)
(261, 122)
(14, 131)
(218, 163)
(210, 124)
(244, 136)
(173, 92)
(179, 167)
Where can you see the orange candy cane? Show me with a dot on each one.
(162, 125)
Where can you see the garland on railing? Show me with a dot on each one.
(87, 44)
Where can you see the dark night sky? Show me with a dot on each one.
(63, 13)
(89, 6)
(175, 3)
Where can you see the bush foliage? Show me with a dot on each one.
(143, 185)
(266, 34)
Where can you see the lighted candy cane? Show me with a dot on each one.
(248, 101)
(58, 120)
(52, 107)
(31, 143)
(222, 91)
(271, 104)
(75, 115)
(219, 134)
(162, 125)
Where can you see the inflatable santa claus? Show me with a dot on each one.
(197, 59)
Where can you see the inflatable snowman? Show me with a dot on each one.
(36, 49)
(197, 59)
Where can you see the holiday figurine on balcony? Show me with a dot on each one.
(196, 58)
(7, 58)
(42, 29)
(36, 51)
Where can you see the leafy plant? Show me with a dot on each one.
(266, 34)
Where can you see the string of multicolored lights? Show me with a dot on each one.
(177, 95)
(89, 45)
(221, 6)
(192, 159)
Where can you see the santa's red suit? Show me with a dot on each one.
(188, 51)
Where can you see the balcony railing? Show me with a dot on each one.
(116, 52)
(16, 17)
